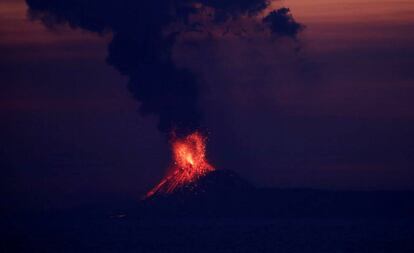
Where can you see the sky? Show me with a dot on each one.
(328, 105)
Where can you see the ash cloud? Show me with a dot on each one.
(281, 22)
(141, 50)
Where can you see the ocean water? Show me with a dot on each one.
(119, 233)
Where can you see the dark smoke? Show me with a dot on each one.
(281, 22)
(141, 50)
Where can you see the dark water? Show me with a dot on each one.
(116, 233)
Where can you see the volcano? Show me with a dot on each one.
(215, 194)
(193, 187)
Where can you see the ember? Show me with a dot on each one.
(189, 164)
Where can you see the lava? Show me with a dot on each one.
(189, 164)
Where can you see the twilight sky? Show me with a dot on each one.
(330, 108)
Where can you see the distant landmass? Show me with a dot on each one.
(223, 193)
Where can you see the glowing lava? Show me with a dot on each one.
(189, 164)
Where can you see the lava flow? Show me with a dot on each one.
(189, 164)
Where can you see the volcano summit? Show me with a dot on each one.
(189, 164)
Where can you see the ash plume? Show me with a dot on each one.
(142, 50)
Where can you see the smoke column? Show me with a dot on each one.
(142, 50)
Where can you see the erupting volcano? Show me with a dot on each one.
(189, 164)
